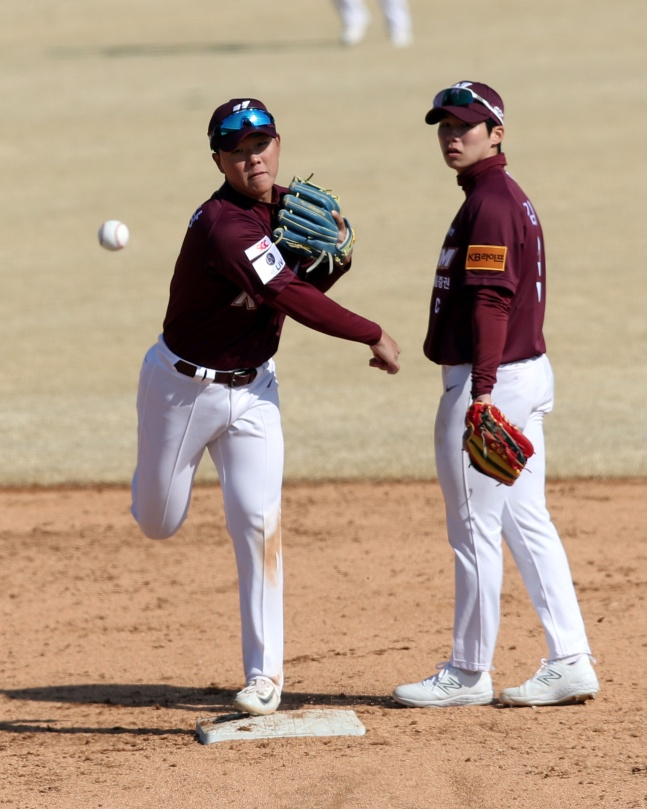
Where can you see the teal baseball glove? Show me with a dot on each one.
(307, 227)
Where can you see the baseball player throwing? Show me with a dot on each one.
(485, 330)
(209, 382)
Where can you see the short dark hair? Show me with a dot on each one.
(490, 124)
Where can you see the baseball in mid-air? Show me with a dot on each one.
(113, 235)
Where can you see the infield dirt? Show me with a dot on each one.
(114, 645)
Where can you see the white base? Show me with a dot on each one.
(234, 727)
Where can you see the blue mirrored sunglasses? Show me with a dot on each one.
(463, 97)
(244, 118)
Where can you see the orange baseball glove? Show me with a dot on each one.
(496, 447)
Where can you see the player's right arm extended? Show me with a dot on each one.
(310, 307)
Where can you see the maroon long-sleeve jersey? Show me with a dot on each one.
(232, 288)
(494, 241)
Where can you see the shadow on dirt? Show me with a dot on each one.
(160, 49)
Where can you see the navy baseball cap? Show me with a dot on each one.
(469, 101)
(233, 121)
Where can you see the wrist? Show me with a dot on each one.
(344, 248)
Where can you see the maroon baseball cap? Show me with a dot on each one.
(470, 101)
(233, 121)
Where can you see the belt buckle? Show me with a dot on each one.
(241, 377)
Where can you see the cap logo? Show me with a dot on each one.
(242, 106)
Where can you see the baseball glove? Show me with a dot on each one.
(307, 227)
(496, 447)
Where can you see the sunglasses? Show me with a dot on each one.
(241, 119)
(463, 97)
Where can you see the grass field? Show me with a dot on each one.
(105, 107)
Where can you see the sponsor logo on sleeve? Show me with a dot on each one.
(258, 249)
(269, 264)
(486, 257)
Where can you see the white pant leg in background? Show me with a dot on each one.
(397, 15)
(479, 511)
(178, 418)
(353, 13)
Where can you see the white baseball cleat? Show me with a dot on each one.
(354, 33)
(260, 697)
(401, 39)
(450, 687)
(554, 684)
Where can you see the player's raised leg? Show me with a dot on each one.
(177, 417)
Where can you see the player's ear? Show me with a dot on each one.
(497, 135)
(216, 160)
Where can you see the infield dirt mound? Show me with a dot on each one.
(114, 645)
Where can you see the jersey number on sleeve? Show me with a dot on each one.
(539, 271)
(535, 221)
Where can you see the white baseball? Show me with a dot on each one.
(113, 235)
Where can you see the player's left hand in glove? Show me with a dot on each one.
(496, 447)
(307, 225)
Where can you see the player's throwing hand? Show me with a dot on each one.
(386, 353)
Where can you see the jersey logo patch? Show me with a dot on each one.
(446, 257)
(195, 217)
(486, 257)
(269, 264)
(246, 300)
(258, 249)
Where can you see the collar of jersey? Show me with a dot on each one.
(470, 175)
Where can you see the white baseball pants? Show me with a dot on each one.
(397, 15)
(479, 511)
(178, 418)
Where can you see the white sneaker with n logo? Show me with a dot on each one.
(260, 697)
(555, 683)
(450, 687)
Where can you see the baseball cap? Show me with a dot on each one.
(237, 118)
(470, 101)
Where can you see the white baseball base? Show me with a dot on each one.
(234, 727)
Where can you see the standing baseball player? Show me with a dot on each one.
(356, 18)
(485, 331)
(209, 382)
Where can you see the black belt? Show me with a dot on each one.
(233, 379)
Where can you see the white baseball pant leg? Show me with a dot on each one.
(479, 511)
(397, 14)
(397, 17)
(353, 13)
(178, 418)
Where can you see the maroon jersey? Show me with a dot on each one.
(494, 241)
(232, 288)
